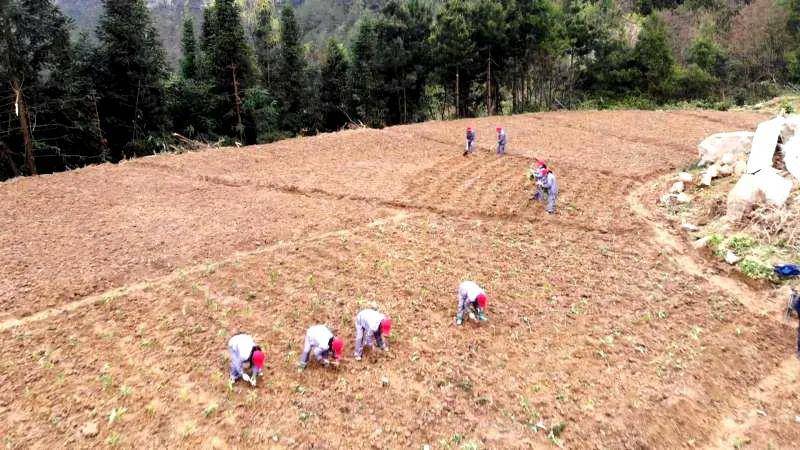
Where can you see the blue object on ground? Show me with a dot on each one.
(787, 270)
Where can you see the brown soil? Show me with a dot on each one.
(120, 285)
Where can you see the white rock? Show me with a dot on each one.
(702, 242)
(775, 187)
(705, 179)
(727, 159)
(677, 188)
(713, 147)
(731, 258)
(791, 156)
(689, 227)
(767, 186)
(713, 171)
(89, 429)
(764, 143)
(791, 126)
(686, 177)
(742, 197)
(740, 168)
(725, 170)
(683, 198)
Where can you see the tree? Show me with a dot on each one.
(333, 95)
(403, 58)
(131, 71)
(457, 66)
(227, 66)
(365, 80)
(265, 45)
(290, 87)
(39, 82)
(189, 47)
(654, 58)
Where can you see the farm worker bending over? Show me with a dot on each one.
(371, 326)
(470, 141)
(535, 175)
(501, 141)
(794, 307)
(471, 299)
(323, 344)
(550, 186)
(244, 351)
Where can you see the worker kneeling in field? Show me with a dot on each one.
(321, 342)
(245, 352)
(794, 307)
(472, 301)
(501, 141)
(470, 141)
(371, 327)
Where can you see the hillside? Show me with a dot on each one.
(605, 330)
(319, 19)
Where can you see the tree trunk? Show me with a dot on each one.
(22, 113)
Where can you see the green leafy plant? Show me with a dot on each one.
(755, 269)
(116, 414)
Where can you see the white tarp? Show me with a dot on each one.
(714, 147)
(765, 142)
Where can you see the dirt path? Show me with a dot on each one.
(746, 411)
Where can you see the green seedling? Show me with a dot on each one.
(116, 414)
(125, 391)
(113, 439)
(210, 409)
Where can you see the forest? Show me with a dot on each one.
(70, 98)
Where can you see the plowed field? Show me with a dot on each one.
(120, 285)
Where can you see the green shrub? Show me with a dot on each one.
(755, 269)
(741, 243)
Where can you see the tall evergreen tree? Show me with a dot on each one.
(228, 68)
(131, 71)
(365, 78)
(457, 66)
(654, 57)
(189, 47)
(334, 91)
(290, 88)
(265, 45)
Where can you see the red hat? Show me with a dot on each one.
(386, 326)
(499, 129)
(481, 300)
(469, 128)
(258, 359)
(337, 346)
(540, 163)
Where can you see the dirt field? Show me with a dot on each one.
(119, 286)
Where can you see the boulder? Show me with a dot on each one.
(775, 187)
(686, 177)
(791, 156)
(705, 179)
(791, 126)
(715, 146)
(690, 227)
(765, 142)
(677, 188)
(767, 186)
(725, 170)
(742, 197)
(727, 159)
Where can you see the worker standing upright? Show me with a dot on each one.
(501, 141)
(550, 186)
(470, 147)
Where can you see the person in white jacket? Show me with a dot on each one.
(244, 352)
(321, 342)
(471, 299)
(371, 326)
